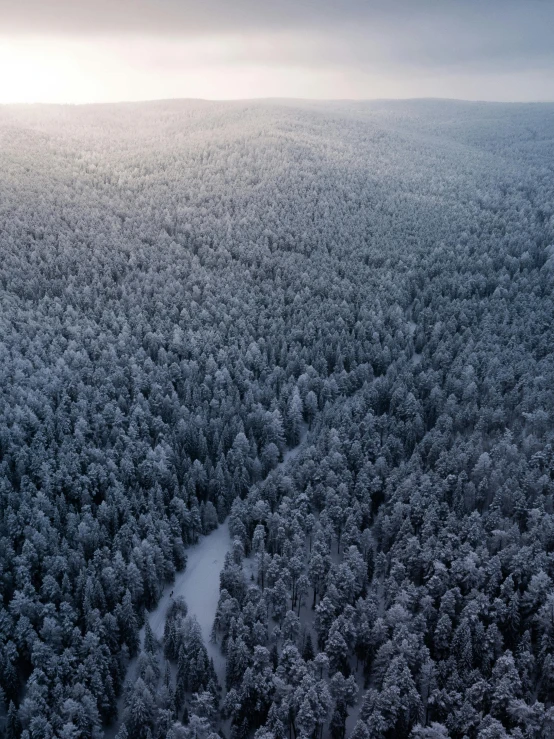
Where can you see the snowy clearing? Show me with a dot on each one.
(198, 584)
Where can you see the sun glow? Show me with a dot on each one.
(36, 70)
(48, 69)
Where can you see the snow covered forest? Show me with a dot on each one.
(190, 290)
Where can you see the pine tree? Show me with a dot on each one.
(258, 546)
(308, 651)
(291, 627)
(338, 722)
(128, 624)
(150, 643)
(294, 418)
(360, 731)
(337, 651)
(274, 654)
(140, 710)
(13, 725)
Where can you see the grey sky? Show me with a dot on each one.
(420, 44)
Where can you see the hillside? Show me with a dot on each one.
(190, 289)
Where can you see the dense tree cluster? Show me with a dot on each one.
(158, 704)
(184, 289)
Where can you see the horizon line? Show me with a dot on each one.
(293, 99)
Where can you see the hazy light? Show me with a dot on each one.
(61, 70)
(54, 71)
(107, 70)
(231, 66)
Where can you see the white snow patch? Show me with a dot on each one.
(198, 584)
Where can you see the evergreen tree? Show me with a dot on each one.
(308, 652)
(13, 724)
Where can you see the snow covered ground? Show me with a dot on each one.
(198, 584)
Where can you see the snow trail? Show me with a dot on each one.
(198, 584)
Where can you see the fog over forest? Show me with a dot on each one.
(322, 332)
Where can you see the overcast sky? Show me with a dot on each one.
(109, 50)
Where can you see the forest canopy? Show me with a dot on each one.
(189, 289)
